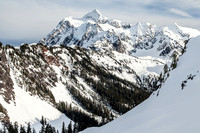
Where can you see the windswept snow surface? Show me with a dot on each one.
(171, 109)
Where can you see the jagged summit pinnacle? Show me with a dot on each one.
(96, 11)
(94, 15)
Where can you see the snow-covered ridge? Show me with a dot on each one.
(171, 109)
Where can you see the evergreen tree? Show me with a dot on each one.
(42, 121)
(16, 127)
(167, 74)
(11, 128)
(160, 78)
(34, 130)
(49, 129)
(75, 130)
(42, 129)
(64, 130)
(174, 62)
(4, 128)
(29, 128)
(166, 69)
(70, 127)
(22, 129)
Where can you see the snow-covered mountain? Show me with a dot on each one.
(68, 79)
(90, 70)
(171, 109)
(124, 44)
(98, 32)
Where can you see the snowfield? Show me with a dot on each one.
(172, 108)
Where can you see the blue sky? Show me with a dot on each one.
(30, 20)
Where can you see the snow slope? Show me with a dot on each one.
(171, 109)
(28, 108)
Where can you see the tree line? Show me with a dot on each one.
(45, 128)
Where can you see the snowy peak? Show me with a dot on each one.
(94, 15)
(100, 33)
(142, 29)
